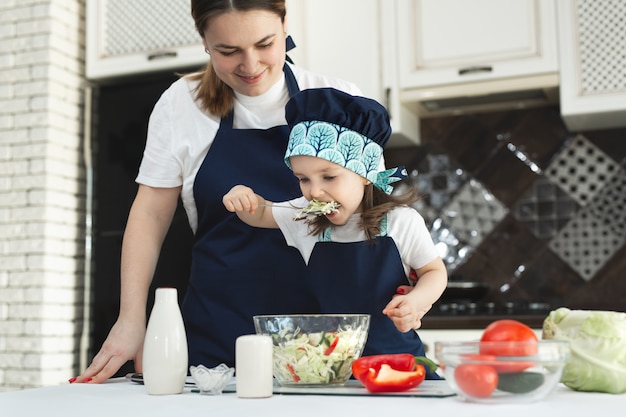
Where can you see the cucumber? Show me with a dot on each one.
(520, 382)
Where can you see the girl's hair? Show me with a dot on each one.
(215, 96)
(376, 204)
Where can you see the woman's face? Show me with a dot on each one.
(323, 180)
(247, 49)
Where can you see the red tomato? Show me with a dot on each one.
(476, 380)
(508, 331)
(501, 332)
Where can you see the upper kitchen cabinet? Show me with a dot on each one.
(345, 39)
(593, 63)
(457, 49)
(140, 36)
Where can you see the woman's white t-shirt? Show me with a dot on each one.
(404, 225)
(180, 133)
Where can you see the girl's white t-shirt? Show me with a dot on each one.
(180, 133)
(404, 225)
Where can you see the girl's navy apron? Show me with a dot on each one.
(362, 277)
(239, 271)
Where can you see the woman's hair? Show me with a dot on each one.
(215, 96)
(376, 205)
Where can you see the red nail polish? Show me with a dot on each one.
(87, 380)
(400, 291)
(72, 380)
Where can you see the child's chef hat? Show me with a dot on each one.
(350, 131)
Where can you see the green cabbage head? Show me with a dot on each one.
(597, 360)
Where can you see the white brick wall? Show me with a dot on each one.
(42, 193)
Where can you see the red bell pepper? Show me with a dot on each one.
(391, 372)
(332, 346)
(293, 373)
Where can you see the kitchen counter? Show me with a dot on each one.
(467, 321)
(121, 397)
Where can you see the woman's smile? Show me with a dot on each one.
(251, 79)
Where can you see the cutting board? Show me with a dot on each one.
(428, 388)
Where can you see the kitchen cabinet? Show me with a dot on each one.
(424, 58)
(593, 63)
(351, 39)
(453, 48)
(444, 42)
(125, 38)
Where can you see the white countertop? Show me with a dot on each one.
(124, 398)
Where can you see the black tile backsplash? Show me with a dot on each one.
(557, 235)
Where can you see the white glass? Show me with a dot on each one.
(253, 366)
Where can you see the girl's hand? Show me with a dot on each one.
(241, 199)
(403, 313)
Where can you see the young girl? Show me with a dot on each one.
(366, 244)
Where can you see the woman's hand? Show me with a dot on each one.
(124, 343)
(148, 222)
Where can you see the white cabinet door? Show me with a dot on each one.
(126, 37)
(447, 42)
(593, 63)
(329, 43)
(343, 38)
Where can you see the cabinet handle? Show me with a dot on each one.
(471, 70)
(161, 55)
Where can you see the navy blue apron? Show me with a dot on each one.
(362, 277)
(239, 271)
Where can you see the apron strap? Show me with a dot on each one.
(290, 44)
(290, 79)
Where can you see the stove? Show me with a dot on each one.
(489, 308)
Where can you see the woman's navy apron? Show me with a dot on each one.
(362, 277)
(239, 271)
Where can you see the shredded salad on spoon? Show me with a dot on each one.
(317, 208)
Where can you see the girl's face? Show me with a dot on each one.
(247, 49)
(323, 180)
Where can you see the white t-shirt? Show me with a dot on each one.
(404, 225)
(180, 134)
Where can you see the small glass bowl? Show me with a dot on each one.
(502, 372)
(211, 380)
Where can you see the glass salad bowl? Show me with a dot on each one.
(314, 350)
(502, 372)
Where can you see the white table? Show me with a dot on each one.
(119, 397)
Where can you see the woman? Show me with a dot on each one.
(372, 239)
(208, 132)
